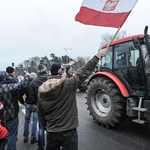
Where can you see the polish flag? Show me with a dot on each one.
(108, 13)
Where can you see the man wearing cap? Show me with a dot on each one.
(11, 106)
(31, 109)
(12, 77)
(33, 96)
(57, 106)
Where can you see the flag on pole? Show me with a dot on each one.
(108, 13)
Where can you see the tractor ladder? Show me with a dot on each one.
(140, 110)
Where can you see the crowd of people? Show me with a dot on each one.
(50, 99)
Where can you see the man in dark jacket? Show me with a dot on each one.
(33, 98)
(57, 106)
(31, 109)
(11, 106)
(14, 79)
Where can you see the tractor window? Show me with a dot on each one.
(107, 60)
(126, 58)
(125, 55)
(146, 59)
(134, 56)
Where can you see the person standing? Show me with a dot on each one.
(14, 79)
(31, 109)
(11, 107)
(33, 96)
(57, 106)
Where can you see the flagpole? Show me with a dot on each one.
(114, 37)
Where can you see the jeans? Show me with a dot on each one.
(41, 138)
(67, 139)
(12, 126)
(31, 109)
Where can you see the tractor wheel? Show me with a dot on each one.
(105, 102)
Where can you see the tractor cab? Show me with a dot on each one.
(129, 60)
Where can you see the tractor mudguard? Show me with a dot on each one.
(120, 85)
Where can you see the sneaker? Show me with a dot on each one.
(34, 141)
(25, 140)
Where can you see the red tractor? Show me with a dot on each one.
(121, 88)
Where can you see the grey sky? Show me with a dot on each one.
(31, 28)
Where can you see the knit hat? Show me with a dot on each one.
(56, 69)
(9, 69)
(41, 68)
(33, 75)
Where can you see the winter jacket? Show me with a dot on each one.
(33, 88)
(17, 95)
(12, 79)
(7, 90)
(57, 106)
(27, 92)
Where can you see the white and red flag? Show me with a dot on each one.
(108, 13)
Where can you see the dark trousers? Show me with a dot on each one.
(2, 143)
(68, 140)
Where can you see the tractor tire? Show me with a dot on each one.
(105, 102)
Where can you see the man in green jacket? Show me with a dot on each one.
(57, 106)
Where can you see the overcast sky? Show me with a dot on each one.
(31, 28)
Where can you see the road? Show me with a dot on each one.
(128, 136)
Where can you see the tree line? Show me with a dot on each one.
(31, 64)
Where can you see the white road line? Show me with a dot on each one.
(23, 110)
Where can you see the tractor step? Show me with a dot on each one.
(139, 109)
(139, 121)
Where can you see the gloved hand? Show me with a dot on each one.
(102, 52)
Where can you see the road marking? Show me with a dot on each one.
(23, 110)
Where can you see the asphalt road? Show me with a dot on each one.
(128, 136)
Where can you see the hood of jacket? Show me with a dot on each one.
(51, 85)
(3, 77)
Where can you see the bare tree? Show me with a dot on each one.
(30, 65)
(107, 37)
(80, 62)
